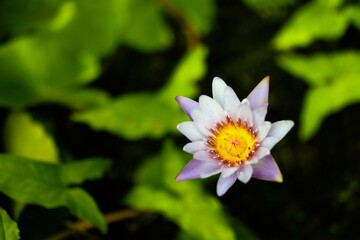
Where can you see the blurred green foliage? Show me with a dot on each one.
(9, 229)
(332, 77)
(54, 56)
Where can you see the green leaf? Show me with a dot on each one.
(334, 84)
(81, 99)
(8, 228)
(322, 68)
(186, 74)
(82, 205)
(38, 67)
(46, 184)
(28, 138)
(24, 17)
(321, 101)
(147, 31)
(302, 29)
(353, 12)
(200, 14)
(80, 171)
(184, 203)
(138, 115)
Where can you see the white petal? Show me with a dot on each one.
(263, 130)
(224, 183)
(261, 152)
(218, 89)
(190, 131)
(259, 116)
(244, 112)
(227, 171)
(212, 108)
(231, 103)
(202, 122)
(245, 173)
(204, 156)
(209, 169)
(277, 131)
(193, 147)
(259, 96)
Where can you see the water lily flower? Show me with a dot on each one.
(230, 136)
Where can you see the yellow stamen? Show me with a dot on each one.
(232, 143)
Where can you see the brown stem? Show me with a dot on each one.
(83, 226)
(191, 35)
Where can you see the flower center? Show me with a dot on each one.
(232, 142)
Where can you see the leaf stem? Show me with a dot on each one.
(83, 226)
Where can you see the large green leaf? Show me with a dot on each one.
(316, 20)
(147, 31)
(46, 184)
(321, 101)
(8, 228)
(334, 84)
(185, 203)
(139, 115)
(42, 66)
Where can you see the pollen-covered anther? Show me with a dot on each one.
(232, 142)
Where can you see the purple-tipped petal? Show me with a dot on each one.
(190, 171)
(224, 183)
(267, 169)
(194, 147)
(277, 131)
(198, 169)
(218, 89)
(245, 173)
(190, 131)
(187, 105)
(259, 96)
